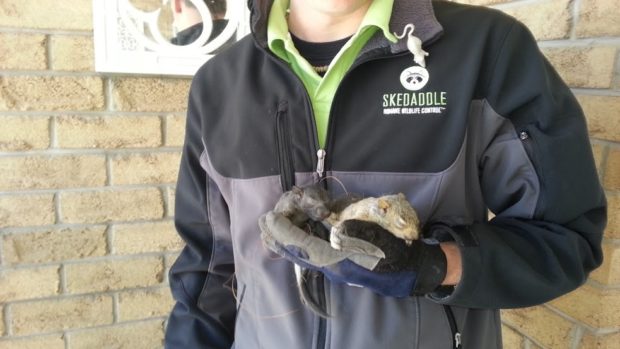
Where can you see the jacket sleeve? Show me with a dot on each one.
(549, 206)
(204, 313)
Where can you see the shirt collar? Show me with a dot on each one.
(378, 15)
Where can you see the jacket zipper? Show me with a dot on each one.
(283, 140)
(456, 335)
(319, 285)
(321, 155)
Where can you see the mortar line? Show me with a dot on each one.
(63, 280)
(53, 144)
(115, 308)
(164, 130)
(596, 92)
(577, 337)
(166, 193)
(514, 4)
(581, 42)
(48, 73)
(576, 17)
(2, 263)
(108, 87)
(108, 169)
(109, 240)
(85, 151)
(65, 337)
(57, 209)
(604, 158)
(615, 82)
(46, 31)
(78, 226)
(6, 314)
(84, 113)
(91, 295)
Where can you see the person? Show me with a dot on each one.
(188, 23)
(463, 115)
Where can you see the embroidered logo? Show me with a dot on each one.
(414, 78)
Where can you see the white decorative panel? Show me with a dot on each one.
(134, 36)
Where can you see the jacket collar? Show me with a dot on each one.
(418, 12)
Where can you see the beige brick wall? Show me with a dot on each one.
(89, 163)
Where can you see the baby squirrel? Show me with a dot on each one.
(392, 212)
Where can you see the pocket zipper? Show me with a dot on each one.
(283, 142)
(456, 335)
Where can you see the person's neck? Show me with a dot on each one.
(311, 23)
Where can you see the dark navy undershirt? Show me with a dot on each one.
(318, 53)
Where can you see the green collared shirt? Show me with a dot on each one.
(322, 89)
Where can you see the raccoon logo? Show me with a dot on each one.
(414, 78)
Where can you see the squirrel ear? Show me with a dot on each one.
(383, 205)
(297, 191)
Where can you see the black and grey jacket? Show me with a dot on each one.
(493, 128)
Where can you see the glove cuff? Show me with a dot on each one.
(431, 266)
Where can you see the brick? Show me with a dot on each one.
(175, 130)
(609, 272)
(511, 338)
(15, 47)
(612, 170)
(609, 341)
(55, 245)
(603, 114)
(51, 93)
(143, 238)
(151, 168)
(547, 20)
(26, 210)
(150, 94)
(55, 341)
(108, 131)
(598, 18)
(594, 307)
(19, 133)
(60, 314)
(589, 67)
(142, 335)
(71, 15)
(541, 324)
(20, 284)
(111, 205)
(72, 53)
(144, 304)
(113, 275)
(51, 172)
(613, 223)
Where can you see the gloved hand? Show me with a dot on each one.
(406, 270)
(367, 255)
(309, 248)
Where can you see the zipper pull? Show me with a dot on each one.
(320, 164)
(457, 340)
